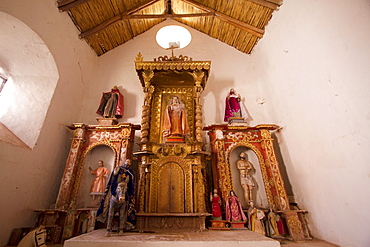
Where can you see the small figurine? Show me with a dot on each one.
(234, 107)
(255, 217)
(111, 104)
(216, 208)
(272, 229)
(234, 210)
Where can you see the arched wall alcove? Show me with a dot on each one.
(32, 77)
(96, 153)
(259, 192)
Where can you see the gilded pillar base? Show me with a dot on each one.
(294, 225)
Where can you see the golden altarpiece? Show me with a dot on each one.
(225, 138)
(171, 181)
(65, 219)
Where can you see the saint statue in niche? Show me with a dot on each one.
(246, 180)
(99, 183)
(111, 104)
(234, 107)
(175, 119)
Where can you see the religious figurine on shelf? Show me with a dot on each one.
(99, 183)
(255, 219)
(216, 208)
(234, 210)
(246, 180)
(234, 108)
(118, 196)
(111, 104)
(272, 229)
(175, 119)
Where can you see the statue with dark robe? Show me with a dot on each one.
(111, 104)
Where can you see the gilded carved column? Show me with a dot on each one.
(143, 188)
(148, 91)
(198, 76)
(68, 180)
(195, 187)
(223, 168)
(199, 188)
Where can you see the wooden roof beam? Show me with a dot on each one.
(111, 21)
(165, 16)
(65, 5)
(114, 19)
(232, 21)
(68, 4)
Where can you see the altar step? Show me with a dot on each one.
(207, 238)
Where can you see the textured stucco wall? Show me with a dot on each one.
(312, 67)
(30, 178)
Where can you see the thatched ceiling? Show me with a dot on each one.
(106, 24)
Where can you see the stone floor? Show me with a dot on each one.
(209, 238)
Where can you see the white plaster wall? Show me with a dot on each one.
(30, 179)
(312, 67)
(32, 78)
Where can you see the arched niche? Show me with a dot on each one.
(225, 138)
(259, 192)
(96, 153)
(118, 138)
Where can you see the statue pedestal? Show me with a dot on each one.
(219, 225)
(175, 139)
(106, 121)
(237, 121)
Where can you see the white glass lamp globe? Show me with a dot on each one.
(173, 37)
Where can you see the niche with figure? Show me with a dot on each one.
(98, 165)
(248, 183)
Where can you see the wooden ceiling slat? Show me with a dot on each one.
(106, 24)
(269, 4)
(115, 19)
(67, 5)
(249, 28)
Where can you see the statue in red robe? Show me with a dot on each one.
(216, 208)
(234, 107)
(175, 119)
(111, 104)
(234, 210)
